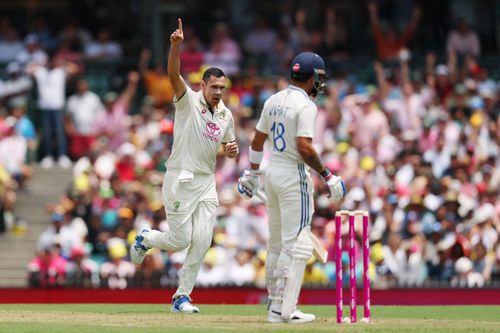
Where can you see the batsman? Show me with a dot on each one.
(202, 124)
(287, 120)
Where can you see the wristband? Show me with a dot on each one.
(326, 174)
(255, 157)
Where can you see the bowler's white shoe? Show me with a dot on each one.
(183, 304)
(138, 249)
(297, 316)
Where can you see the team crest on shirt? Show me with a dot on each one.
(222, 116)
(177, 204)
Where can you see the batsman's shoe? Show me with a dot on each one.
(138, 249)
(296, 317)
(182, 304)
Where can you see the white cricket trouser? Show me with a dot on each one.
(290, 207)
(190, 208)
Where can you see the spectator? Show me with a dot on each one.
(191, 54)
(83, 109)
(157, 83)
(103, 49)
(75, 34)
(81, 271)
(368, 123)
(10, 45)
(463, 41)
(16, 88)
(59, 233)
(32, 53)
(388, 43)
(117, 271)
(224, 52)
(260, 41)
(70, 51)
(42, 31)
(24, 127)
(51, 84)
(48, 268)
(299, 34)
(13, 151)
(114, 123)
(242, 271)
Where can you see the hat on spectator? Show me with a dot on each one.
(77, 251)
(377, 253)
(363, 98)
(127, 149)
(117, 251)
(432, 202)
(342, 147)
(463, 265)
(322, 202)
(31, 39)
(334, 165)
(13, 67)
(447, 242)
(58, 213)
(125, 212)
(483, 213)
(476, 120)
(110, 97)
(442, 70)
(211, 257)
(476, 103)
(143, 159)
(470, 84)
(451, 197)
(460, 89)
(367, 163)
(357, 194)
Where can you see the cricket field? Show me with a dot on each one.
(122, 318)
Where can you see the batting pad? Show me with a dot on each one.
(301, 252)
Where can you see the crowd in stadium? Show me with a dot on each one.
(419, 148)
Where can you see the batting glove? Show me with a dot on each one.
(335, 186)
(248, 183)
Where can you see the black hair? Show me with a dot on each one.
(212, 71)
(300, 77)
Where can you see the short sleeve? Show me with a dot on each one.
(262, 124)
(230, 135)
(183, 103)
(306, 121)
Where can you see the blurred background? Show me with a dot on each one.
(410, 122)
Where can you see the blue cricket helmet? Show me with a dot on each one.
(308, 64)
(305, 63)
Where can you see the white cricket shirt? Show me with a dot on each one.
(198, 133)
(286, 115)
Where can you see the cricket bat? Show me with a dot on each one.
(318, 250)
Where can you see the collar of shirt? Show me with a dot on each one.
(292, 87)
(218, 108)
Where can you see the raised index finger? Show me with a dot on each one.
(179, 24)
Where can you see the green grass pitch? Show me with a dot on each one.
(103, 318)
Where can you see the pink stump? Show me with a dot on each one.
(352, 267)
(366, 265)
(338, 266)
